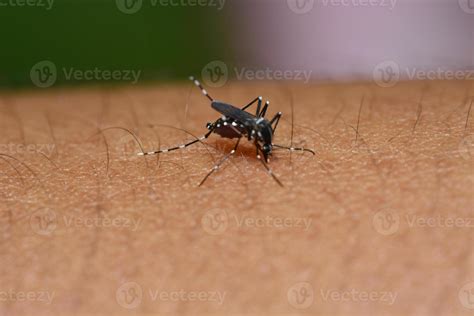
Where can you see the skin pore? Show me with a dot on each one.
(379, 221)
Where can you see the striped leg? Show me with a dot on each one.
(269, 170)
(176, 147)
(216, 167)
(294, 148)
(199, 85)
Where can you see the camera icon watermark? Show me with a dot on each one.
(215, 74)
(301, 295)
(43, 74)
(386, 74)
(300, 6)
(129, 295)
(467, 6)
(129, 6)
(215, 222)
(466, 295)
(43, 222)
(386, 222)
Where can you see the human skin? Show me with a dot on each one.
(380, 221)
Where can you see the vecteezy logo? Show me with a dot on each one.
(300, 6)
(301, 295)
(43, 74)
(129, 295)
(467, 6)
(386, 74)
(466, 147)
(386, 222)
(215, 222)
(215, 74)
(43, 222)
(466, 295)
(129, 6)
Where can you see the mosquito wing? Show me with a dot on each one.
(231, 111)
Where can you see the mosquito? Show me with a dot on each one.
(237, 123)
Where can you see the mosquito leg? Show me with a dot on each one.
(276, 120)
(264, 110)
(199, 85)
(259, 105)
(259, 99)
(265, 165)
(294, 148)
(217, 165)
(176, 147)
(270, 172)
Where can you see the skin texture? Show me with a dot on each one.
(378, 204)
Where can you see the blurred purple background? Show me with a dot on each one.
(355, 39)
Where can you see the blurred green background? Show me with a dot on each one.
(163, 42)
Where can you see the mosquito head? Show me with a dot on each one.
(264, 134)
